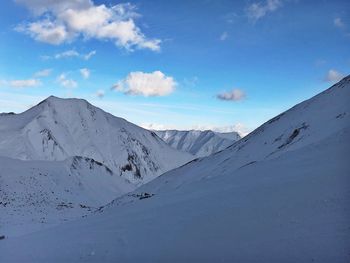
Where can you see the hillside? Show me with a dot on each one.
(39, 194)
(57, 129)
(278, 195)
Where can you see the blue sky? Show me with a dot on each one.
(173, 64)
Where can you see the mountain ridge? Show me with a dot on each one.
(279, 194)
(59, 128)
(196, 142)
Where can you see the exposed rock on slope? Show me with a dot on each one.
(56, 129)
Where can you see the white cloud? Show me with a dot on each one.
(89, 55)
(333, 76)
(64, 21)
(71, 53)
(67, 83)
(338, 22)
(85, 73)
(47, 31)
(126, 10)
(39, 7)
(100, 93)
(21, 83)
(257, 10)
(146, 84)
(67, 54)
(233, 95)
(119, 86)
(223, 36)
(43, 73)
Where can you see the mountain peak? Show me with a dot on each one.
(58, 128)
(54, 99)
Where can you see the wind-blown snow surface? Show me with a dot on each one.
(57, 129)
(278, 195)
(198, 143)
(39, 194)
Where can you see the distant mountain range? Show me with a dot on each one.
(198, 143)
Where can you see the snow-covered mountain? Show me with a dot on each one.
(278, 195)
(39, 194)
(198, 143)
(57, 129)
(65, 158)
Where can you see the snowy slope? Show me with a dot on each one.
(57, 128)
(235, 136)
(198, 143)
(37, 194)
(278, 195)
